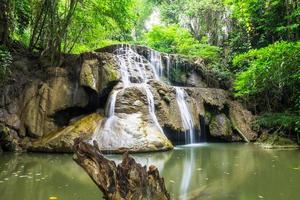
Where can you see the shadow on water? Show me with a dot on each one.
(197, 171)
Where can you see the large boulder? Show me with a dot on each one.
(167, 108)
(43, 99)
(63, 139)
(242, 121)
(220, 128)
(132, 128)
(99, 71)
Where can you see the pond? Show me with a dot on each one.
(204, 171)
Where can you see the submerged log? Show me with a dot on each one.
(127, 181)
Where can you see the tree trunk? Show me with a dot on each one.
(4, 22)
(127, 181)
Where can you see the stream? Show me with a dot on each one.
(203, 171)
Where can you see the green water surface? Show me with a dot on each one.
(206, 171)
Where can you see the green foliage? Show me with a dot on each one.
(286, 121)
(267, 21)
(74, 25)
(99, 21)
(173, 39)
(5, 62)
(201, 17)
(178, 75)
(272, 68)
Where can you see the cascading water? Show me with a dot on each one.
(186, 117)
(156, 61)
(168, 65)
(110, 111)
(151, 106)
(134, 73)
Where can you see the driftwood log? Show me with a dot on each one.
(127, 181)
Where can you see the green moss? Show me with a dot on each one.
(178, 75)
(4, 132)
(167, 99)
(275, 141)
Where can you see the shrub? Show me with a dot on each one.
(174, 39)
(272, 72)
(5, 62)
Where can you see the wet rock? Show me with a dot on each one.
(99, 71)
(276, 141)
(9, 139)
(196, 81)
(43, 99)
(220, 127)
(242, 120)
(13, 107)
(132, 132)
(63, 140)
(213, 97)
(13, 121)
(167, 109)
(132, 128)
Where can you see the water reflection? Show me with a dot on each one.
(209, 171)
(38, 176)
(188, 168)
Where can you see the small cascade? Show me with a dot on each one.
(156, 61)
(186, 117)
(110, 111)
(168, 65)
(150, 100)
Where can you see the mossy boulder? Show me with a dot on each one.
(276, 141)
(220, 127)
(242, 121)
(63, 139)
(99, 71)
(132, 128)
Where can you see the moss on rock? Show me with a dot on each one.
(276, 141)
(63, 139)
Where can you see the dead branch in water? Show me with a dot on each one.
(127, 181)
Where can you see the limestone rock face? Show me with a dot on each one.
(167, 109)
(214, 97)
(132, 128)
(37, 107)
(242, 120)
(99, 71)
(63, 139)
(43, 99)
(220, 127)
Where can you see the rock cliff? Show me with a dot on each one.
(45, 108)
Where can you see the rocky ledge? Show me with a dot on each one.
(275, 141)
(44, 108)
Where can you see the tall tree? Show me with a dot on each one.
(4, 21)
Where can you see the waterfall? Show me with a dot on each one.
(186, 117)
(135, 72)
(110, 108)
(156, 61)
(151, 106)
(168, 66)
